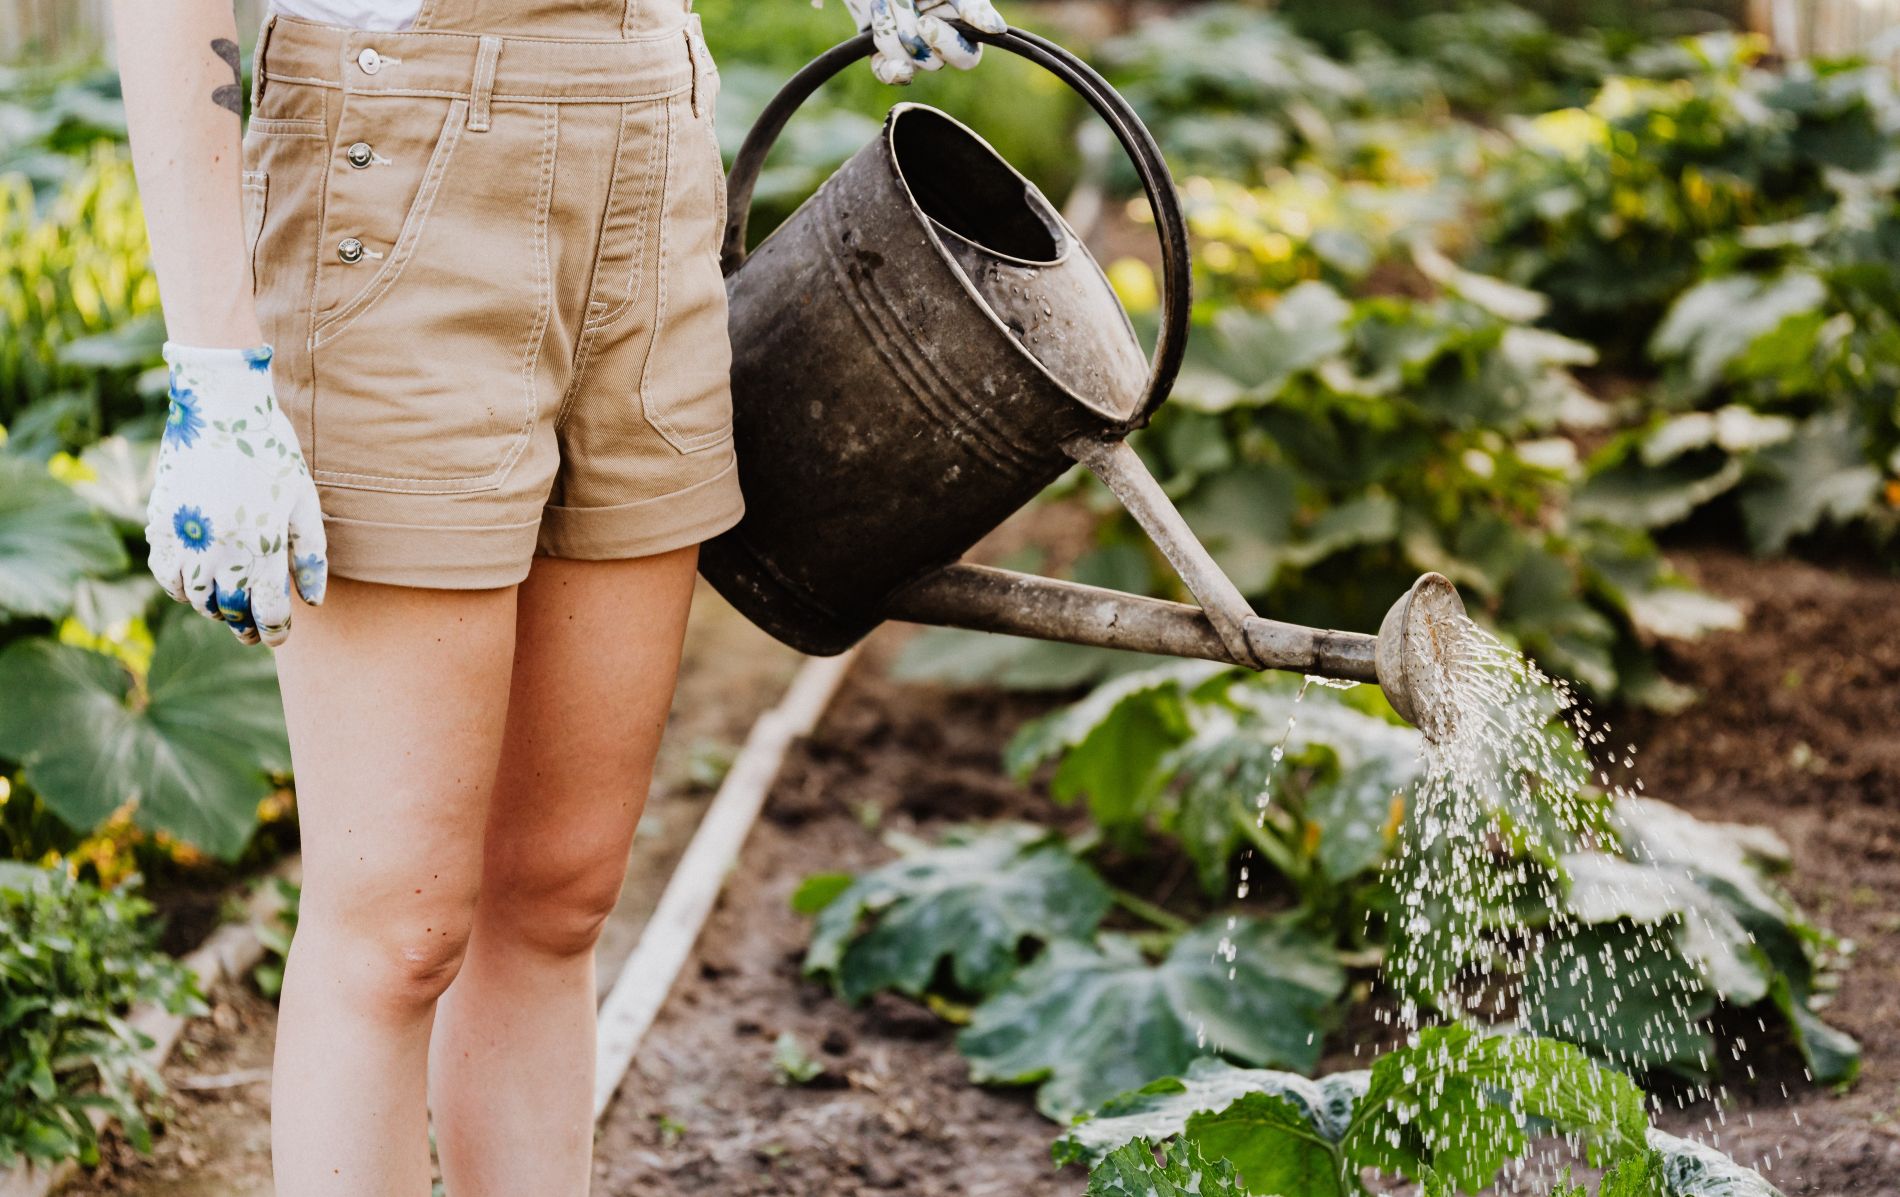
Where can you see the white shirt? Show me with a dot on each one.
(353, 14)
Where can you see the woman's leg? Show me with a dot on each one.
(597, 646)
(396, 699)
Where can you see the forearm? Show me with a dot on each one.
(178, 66)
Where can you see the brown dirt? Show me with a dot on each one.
(894, 1111)
(1800, 731)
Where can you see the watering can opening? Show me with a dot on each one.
(969, 192)
(1016, 258)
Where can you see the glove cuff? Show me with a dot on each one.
(187, 357)
(224, 380)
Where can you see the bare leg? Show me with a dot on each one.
(397, 700)
(511, 1069)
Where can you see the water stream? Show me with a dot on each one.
(1481, 915)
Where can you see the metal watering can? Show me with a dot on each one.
(921, 348)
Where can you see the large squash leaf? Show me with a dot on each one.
(192, 747)
(1624, 993)
(1113, 744)
(1746, 940)
(1691, 1169)
(1161, 1110)
(1088, 1021)
(1453, 1108)
(972, 899)
(1457, 1103)
(50, 540)
(1132, 1171)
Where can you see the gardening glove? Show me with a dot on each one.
(919, 37)
(233, 520)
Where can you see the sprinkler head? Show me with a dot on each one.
(1420, 641)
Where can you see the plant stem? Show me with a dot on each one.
(1143, 909)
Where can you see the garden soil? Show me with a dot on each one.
(1799, 730)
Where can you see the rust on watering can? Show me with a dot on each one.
(921, 348)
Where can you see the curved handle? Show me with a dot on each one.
(1134, 137)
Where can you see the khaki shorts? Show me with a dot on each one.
(490, 269)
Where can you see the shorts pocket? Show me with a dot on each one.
(426, 379)
(256, 193)
(685, 387)
(387, 162)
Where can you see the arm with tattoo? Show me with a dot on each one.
(233, 520)
(179, 65)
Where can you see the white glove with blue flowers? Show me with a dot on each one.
(919, 37)
(233, 521)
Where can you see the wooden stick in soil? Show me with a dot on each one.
(666, 942)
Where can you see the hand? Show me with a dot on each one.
(233, 519)
(910, 39)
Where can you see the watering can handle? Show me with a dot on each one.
(1134, 137)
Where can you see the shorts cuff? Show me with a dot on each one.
(644, 528)
(452, 557)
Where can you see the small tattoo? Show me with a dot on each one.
(231, 95)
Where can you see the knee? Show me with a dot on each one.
(393, 958)
(551, 906)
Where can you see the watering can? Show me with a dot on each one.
(921, 348)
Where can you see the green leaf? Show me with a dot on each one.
(1624, 993)
(1114, 743)
(972, 899)
(194, 751)
(1249, 356)
(1457, 1101)
(1161, 1109)
(1690, 1169)
(792, 1063)
(819, 891)
(1131, 1171)
(1654, 496)
(1819, 474)
(50, 540)
(1088, 1022)
(1713, 323)
(1276, 1144)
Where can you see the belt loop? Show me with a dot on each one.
(257, 61)
(483, 89)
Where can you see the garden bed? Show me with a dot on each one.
(893, 1111)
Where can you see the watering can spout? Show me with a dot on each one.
(1412, 659)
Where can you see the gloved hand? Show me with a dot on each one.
(920, 38)
(233, 518)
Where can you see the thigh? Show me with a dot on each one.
(396, 700)
(597, 649)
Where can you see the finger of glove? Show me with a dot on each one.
(949, 43)
(165, 566)
(923, 56)
(890, 61)
(230, 604)
(978, 14)
(270, 601)
(309, 548)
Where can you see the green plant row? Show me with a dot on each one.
(1178, 760)
(73, 960)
